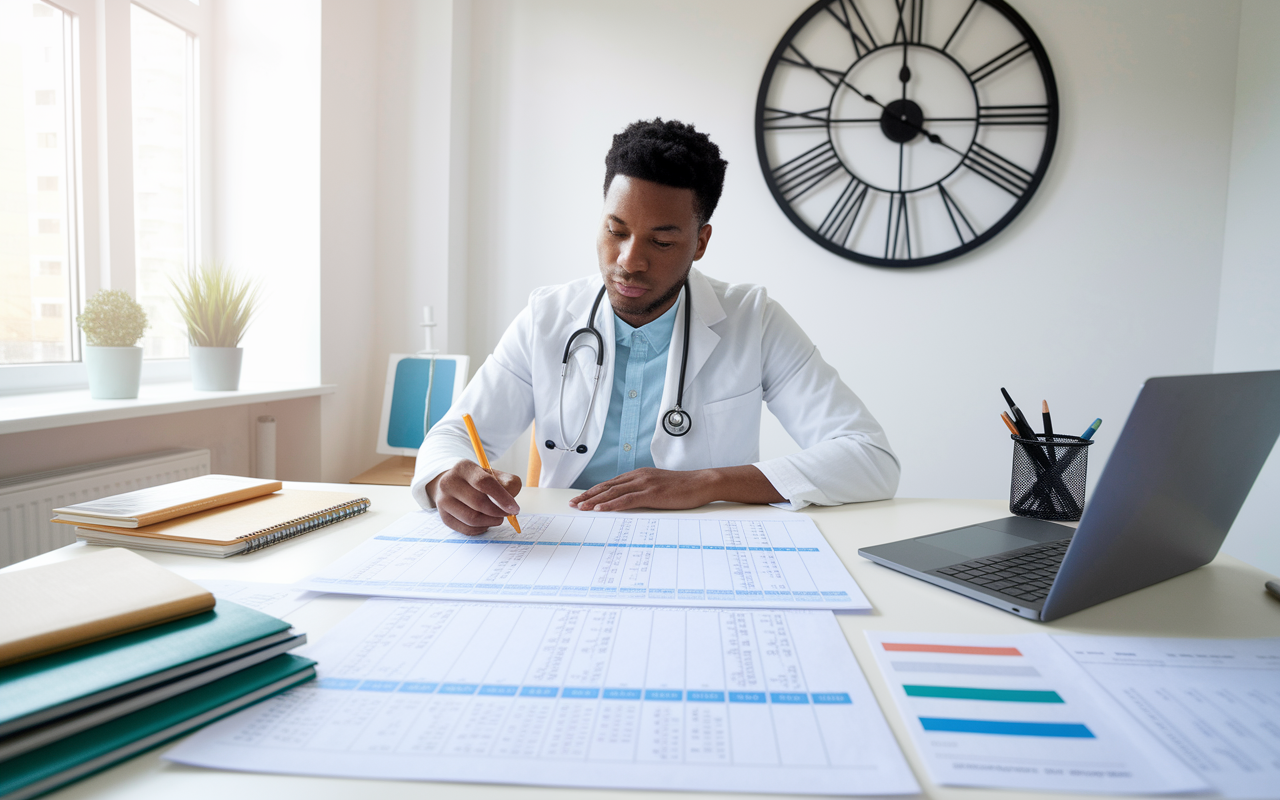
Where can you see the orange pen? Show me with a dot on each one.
(483, 459)
(1004, 415)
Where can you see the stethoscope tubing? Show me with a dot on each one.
(676, 422)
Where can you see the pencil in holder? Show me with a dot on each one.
(1048, 477)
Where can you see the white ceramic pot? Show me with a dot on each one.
(216, 369)
(114, 372)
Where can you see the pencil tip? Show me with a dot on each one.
(1044, 406)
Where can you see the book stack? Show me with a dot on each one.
(107, 655)
(212, 515)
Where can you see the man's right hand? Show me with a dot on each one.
(471, 500)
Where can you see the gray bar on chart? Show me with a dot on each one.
(964, 669)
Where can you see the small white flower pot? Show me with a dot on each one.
(216, 369)
(114, 372)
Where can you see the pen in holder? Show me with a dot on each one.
(1048, 477)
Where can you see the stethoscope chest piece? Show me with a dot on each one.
(676, 422)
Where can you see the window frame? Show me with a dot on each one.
(100, 175)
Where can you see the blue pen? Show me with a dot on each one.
(1088, 434)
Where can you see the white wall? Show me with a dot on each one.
(1110, 276)
(348, 168)
(1249, 309)
(422, 173)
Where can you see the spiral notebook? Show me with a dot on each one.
(238, 528)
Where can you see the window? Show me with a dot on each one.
(61, 237)
(163, 57)
(33, 211)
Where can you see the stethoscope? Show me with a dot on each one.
(675, 422)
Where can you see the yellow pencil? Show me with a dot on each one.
(484, 460)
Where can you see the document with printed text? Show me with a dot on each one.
(1017, 712)
(775, 561)
(559, 695)
(1214, 702)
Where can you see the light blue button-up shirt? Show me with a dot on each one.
(639, 372)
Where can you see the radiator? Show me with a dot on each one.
(27, 501)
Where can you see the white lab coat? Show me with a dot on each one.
(743, 348)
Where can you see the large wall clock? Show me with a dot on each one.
(901, 133)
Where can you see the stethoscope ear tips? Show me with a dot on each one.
(580, 449)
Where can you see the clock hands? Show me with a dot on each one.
(903, 118)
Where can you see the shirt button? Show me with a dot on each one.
(632, 393)
(626, 447)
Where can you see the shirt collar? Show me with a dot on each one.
(657, 332)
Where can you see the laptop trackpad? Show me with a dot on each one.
(976, 542)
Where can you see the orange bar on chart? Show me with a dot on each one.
(950, 648)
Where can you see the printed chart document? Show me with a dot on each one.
(1213, 702)
(1016, 712)
(559, 695)
(778, 560)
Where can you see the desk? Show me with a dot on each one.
(1223, 599)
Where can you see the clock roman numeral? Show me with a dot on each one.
(838, 223)
(899, 226)
(910, 21)
(999, 170)
(959, 24)
(1013, 115)
(796, 177)
(826, 73)
(777, 119)
(846, 18)
(1000, 62)
(954, 212)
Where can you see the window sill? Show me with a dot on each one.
(33, 412)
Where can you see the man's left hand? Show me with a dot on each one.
(671, 489)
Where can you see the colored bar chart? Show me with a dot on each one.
(1013, 712)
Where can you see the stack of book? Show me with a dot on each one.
(107, 655)
(213, 515)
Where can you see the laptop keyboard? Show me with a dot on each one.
(1025, 574)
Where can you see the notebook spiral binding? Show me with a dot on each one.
(288, 530)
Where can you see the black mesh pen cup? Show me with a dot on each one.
(1048, 477)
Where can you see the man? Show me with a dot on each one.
(626, 413)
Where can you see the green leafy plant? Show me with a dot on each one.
(216, 307)
(112, 318)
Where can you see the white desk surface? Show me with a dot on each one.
(1224, 599)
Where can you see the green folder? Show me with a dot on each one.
(34, 692)
(91, 751)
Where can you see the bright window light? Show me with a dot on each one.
(164, 173)
(37, 222)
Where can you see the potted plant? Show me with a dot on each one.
(113, 322)
(217, 309)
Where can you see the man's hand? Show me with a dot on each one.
(471, 500)
(670, 489)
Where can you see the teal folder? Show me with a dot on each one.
(91, 751)
(36, 691)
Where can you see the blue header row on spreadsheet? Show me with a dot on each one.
(586, 692)
(600, 544)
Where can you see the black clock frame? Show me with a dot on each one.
(1051, 136)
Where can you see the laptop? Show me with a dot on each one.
(1188, 455)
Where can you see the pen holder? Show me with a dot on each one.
(1048, 477)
